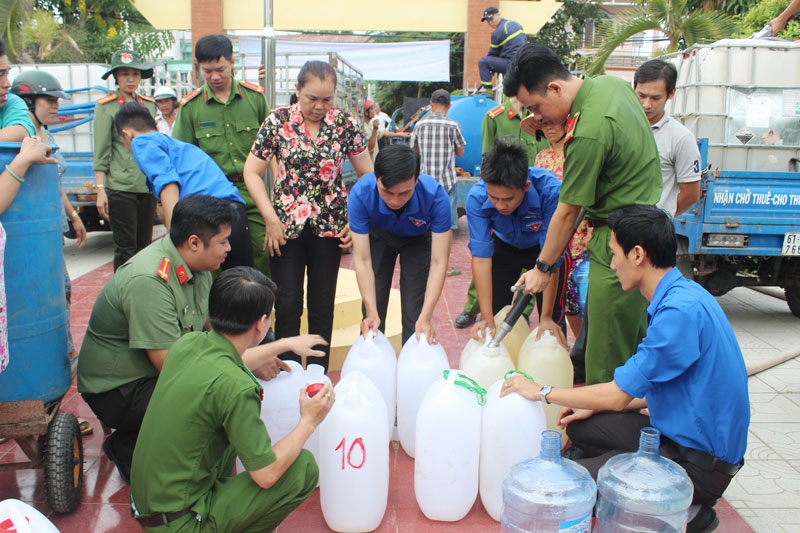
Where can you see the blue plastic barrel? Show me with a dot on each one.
(34, 274)
(469, 111)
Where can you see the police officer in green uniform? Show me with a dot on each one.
(152, 300)
(611, 162)
(502, 122)
(222, 117)
(205, 412)
(122, 195)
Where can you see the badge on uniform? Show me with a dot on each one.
(183, 277)
(570, 126)
(163, 269)
(126, 57)
(535, 227)
(417, 222)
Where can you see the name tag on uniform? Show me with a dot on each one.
(207, 124)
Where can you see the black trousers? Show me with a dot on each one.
(123, 410)
(131, 217)
(415, 262)
(507, 262)
(607, 434)
(241, 253)
(318, 258)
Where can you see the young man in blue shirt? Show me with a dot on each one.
(508, 213)
(398, 211)
(688, 372)
(175, 169)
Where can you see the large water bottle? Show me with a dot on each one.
(354, 457)
(643, 491)
(447, 445)
(510, 433)
(548, 494)
(549, 364)
(313, 374)
(485, 363)
(418, 366)
(375, 357)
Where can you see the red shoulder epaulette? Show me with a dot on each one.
(252, 86)
(148, 98)
(163, 269)
(496, 111)
(108, 98)
(191, 95)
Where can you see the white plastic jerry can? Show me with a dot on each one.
(375, 357)
(484, 363)
(549, 364)
(280, 408)
(510, 433)
(514, 339)
(418, 365)
(354, 457)
(448, 447)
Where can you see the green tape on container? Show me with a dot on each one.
(469, 384)
(512, 372)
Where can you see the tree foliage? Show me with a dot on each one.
(682, 26)
(755, 18)
(564, 33)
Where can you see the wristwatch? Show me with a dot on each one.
(544, 267)
(544, 392)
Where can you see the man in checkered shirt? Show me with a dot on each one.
(438, 140)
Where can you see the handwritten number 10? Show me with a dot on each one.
(357, 442)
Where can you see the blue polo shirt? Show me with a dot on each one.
(428, 209)
(525, 228)
(13, 112)
(691, 370)
(164, 160)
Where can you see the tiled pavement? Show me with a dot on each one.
(765, 493)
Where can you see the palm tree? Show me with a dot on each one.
(11, 14)
(682, 27)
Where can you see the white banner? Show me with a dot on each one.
(411, 61)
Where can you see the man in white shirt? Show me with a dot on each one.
(654, 83)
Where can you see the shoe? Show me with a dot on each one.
(123, 470)
(704, 521)
(465, 320)
(573, 453)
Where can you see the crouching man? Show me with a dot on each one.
(688, 371)
(204, 412)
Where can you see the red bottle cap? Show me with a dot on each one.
(313, 389)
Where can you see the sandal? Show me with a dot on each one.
(85, 426)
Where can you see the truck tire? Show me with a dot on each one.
(62, 456)
(793, 299)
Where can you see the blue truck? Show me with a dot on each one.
(743, 232)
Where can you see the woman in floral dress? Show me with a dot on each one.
(306, 217)
(552, 158)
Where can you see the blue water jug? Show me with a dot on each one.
(643, 491)
(548, 493)
(581, 278)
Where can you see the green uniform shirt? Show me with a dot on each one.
(503, 122)
(611, 159)
(110, 155)
(224, 130)
(205, 402)
(139, 310)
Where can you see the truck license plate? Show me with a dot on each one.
(791, 244)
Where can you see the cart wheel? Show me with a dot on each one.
(62, 456)
(793, 299)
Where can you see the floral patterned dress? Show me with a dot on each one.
(553, 161)
(3, 323)
(309, 188)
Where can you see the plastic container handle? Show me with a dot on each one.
(512, 372)
(469, 384)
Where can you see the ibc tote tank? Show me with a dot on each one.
(468, 111)
(34, 278)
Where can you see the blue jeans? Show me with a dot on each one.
(452, 193)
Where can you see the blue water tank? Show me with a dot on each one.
(34, 275)
(469, 112)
